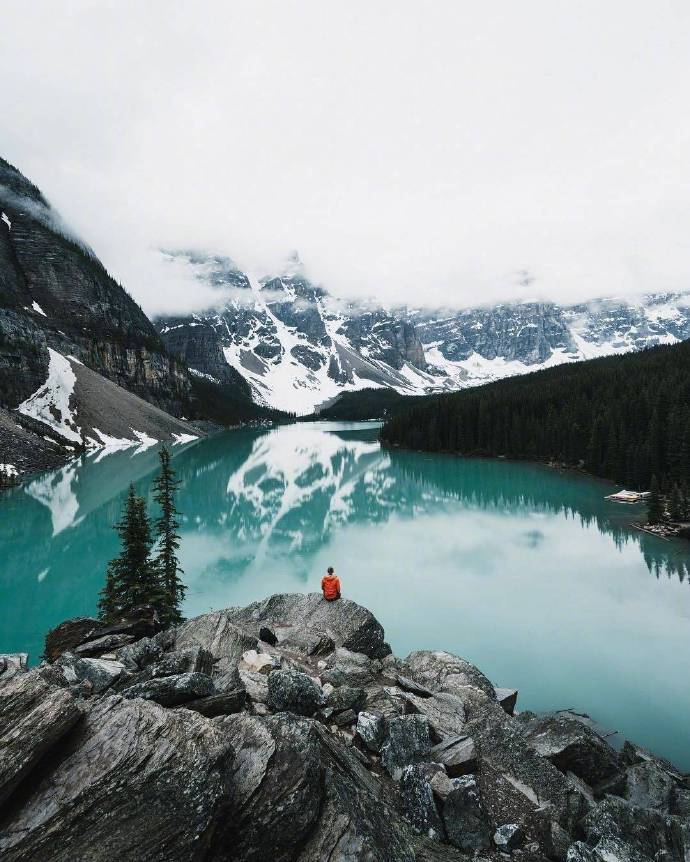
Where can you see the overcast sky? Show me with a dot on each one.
(419, 151)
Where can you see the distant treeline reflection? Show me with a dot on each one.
(510, 486)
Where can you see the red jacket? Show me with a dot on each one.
(330, 584)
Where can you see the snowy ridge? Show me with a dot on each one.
(299, 347)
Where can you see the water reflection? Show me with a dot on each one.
(527, 570)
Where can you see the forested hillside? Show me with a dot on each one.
(625, 418)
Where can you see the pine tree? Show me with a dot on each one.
(655, 507)
(132, 579)
(166, 561)
(675, 505)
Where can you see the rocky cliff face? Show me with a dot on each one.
(287, 731)
(55, 293)
(298, 347)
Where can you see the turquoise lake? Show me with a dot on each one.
(526, 571)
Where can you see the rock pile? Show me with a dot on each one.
(286, 730)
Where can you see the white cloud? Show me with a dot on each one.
(422, 152)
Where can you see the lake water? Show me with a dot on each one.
(526, 571)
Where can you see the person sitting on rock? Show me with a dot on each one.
(330, 584)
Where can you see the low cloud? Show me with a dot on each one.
(427, 154)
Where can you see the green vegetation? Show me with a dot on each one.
(136, 578)
(625, 418)
(228, 404)
(166, 561)
(375, 403)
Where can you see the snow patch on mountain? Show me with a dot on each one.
(50, 403)
(298, 347)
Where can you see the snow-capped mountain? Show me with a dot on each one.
(298, 347)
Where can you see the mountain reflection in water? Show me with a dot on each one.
(525, 570)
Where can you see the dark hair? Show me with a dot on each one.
(330, 570)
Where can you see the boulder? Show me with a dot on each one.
(507, 697)
(99, 673)
(419, 805)
(308, 642)
(457, 754)
(409, 685)
(226, 703)
(107, 643)
(371, 729)
(68, 635)
(514, 780)
(140, 622)
(389, 701)
(11, 664)
(649, 786)
(258, 662)
(508, 837)
(172, 690)
(351, 675)
(406, 742)
(140, 654)
(290, 691)
(443, 671)
(572, 747)
(190, 660)
(348, 716)
(255, 684)
(445, 712)
(640, 834)
(464, 818)
(440, 783)
(34, 716)
(346, 697)
(580, 852)
(223, 639)
(137, 782)
(346, 623)
(331, 806)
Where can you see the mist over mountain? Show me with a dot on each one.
(298, 346)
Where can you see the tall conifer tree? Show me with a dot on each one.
(166, 560)
(132, 579)
(655, 507)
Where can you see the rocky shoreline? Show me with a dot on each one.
(287, 730)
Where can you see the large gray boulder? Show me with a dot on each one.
(346, 697)
(213, 705)
(34, 716)
(419, 804)
(290, 691)
(442, 671)
(572, 747)
(445, 712)
(11, 664)
(640, 834)
(219, 635)
(100, 674)
(466, 822)
(371, 729)
(302, 795)
(407, 740)
(514, 780)
(172, 690)
(137, 783)
(457, 754)
(346, 623)
(105, 644)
